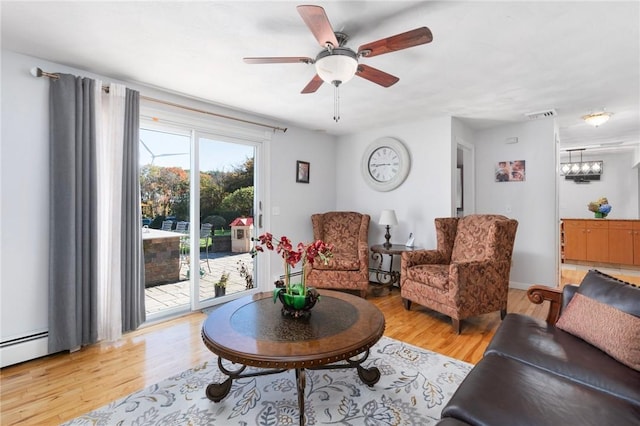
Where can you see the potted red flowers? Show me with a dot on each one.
(297, 298)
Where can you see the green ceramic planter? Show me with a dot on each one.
(294, 304)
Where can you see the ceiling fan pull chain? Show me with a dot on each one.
(336, 103)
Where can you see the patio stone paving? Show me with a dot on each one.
(166, 296)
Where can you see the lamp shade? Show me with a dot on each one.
(388, 217)
(339, 65)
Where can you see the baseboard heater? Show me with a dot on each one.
(24, 348)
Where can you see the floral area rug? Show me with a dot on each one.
(414, 387)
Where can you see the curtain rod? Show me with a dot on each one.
(37, 72)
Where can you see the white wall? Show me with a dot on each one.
(619, 183)
(24, 195)
(25, 201)
(292, 203)
(532, 202)
(425, 194)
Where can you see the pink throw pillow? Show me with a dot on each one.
(609, 329)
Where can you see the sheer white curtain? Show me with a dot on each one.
(110, 136)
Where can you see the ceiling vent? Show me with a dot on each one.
(541, 114)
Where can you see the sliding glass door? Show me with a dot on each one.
(165, 157)
(198, 194)
(226, 205)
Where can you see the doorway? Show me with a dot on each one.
(464, 183)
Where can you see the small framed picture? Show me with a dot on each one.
(302, 171)
(510, 171)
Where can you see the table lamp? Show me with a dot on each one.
(388, 218)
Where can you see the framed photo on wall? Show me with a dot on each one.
(510, 171)
(302, 171)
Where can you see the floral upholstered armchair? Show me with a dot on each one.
(468, 273)
(348, 269)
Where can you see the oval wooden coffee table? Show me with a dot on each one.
(251, 331)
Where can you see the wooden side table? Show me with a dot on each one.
(388, 278)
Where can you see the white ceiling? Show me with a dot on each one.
(489, 62)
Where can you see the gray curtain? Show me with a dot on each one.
(133, 311)
(73, 293)
(72, 242)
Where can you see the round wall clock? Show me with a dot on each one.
(385, 164)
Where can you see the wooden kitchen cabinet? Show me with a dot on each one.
(601, 241)
(597, 241)
(636, 243)
(575, 239)
(586, 240)
(621, 248)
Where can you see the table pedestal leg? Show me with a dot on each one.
(216, 392)
(301, 380)
(369, 376)
(385, 278)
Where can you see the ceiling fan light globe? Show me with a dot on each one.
(339, 65)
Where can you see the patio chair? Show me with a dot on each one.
(206, 239)
(182, 227)
(167, 225)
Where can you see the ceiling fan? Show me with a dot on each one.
(336, 64)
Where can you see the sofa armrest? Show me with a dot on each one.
(539, 293)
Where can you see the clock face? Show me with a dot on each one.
(385, 164)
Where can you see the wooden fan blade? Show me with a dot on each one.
(279, 60)
(397, 42)
(376, 76)
(317, 21)
(313, 85)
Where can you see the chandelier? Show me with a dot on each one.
(581, 171)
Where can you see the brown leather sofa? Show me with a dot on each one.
(535, 373)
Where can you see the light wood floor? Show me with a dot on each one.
(60, 387)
